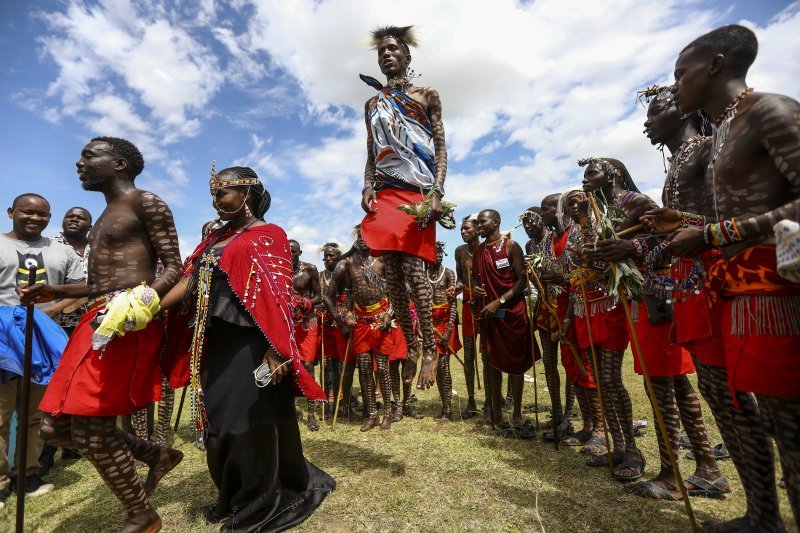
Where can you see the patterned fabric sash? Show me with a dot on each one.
(765, 303)
(399, 136)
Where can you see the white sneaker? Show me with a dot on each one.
(36, 486)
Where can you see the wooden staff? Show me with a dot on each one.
(533, 348)
(341, 381)
(596, 370)
(322, 362)
(474, 327)
(623, 296)
(629, 231)
(552, 309)
(24, 399)
(449, 348)
(180, 408)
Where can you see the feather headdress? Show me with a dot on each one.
(405, 34)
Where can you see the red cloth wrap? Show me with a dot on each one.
(609, 330)
(568, 359)
(469, 323)
(661, 358)
(441, 319)
(331, 336)
(399, 346)
(762, 364)
(257, 260)
(368, 335)
(118, 381)
(389, 229)
(306, 333)
(507, 340)
(696, 324)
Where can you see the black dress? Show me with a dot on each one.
(255, 456)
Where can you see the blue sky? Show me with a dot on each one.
(527, 89)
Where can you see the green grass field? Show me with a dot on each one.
(420, 476)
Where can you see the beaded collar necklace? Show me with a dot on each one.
(434, 283)
(720, 136)
(676, 162)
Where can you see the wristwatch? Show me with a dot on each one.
(502, 300)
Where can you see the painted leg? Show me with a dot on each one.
(785, 415)
(553, 380)
(444, 381)
(99, 440)
(394, 375)
(692, 419)
(367, 390)
(395, 282)
(386, 390)
(570, 392)
(163, 428)
(421, 293)
(469, 376)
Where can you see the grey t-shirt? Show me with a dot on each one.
(58, 265)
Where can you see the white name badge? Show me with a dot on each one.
(501, 263)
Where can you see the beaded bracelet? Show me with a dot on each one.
(722, 234)
(640, 247)
(690, 219)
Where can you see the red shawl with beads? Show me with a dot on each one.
(259, 269)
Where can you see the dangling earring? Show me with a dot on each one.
(247, 211)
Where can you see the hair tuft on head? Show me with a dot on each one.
(405, 34)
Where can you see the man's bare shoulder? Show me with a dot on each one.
(770, 111)
(310, 268)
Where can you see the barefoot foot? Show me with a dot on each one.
(387, 422)
(427, 375)
(444, 417)
(410, 368)
(369, 423)
(166, 460)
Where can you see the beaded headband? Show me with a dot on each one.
(533, 216)
(215, 181)
(602, 163)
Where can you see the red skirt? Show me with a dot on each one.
(334, 342)
(469, 326)
(123, 378)
(609, 330)
(571, 363)
(307, 339)
(441, 319)
(762, 364)
(368, 335)
(696, 323)
(399, 346)
(391, 230)
(661, 358)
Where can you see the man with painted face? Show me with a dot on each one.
(406, 161)
(102, 373)
(499, 273)
(307, 294)
(370, 319)
(445, 319)
(469, 324)
(754, 183)
(56, 263)
(607, 321)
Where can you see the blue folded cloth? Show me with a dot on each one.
(49, 341)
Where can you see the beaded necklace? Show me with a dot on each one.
(720, 136)
(676, 163)
(434, 283)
